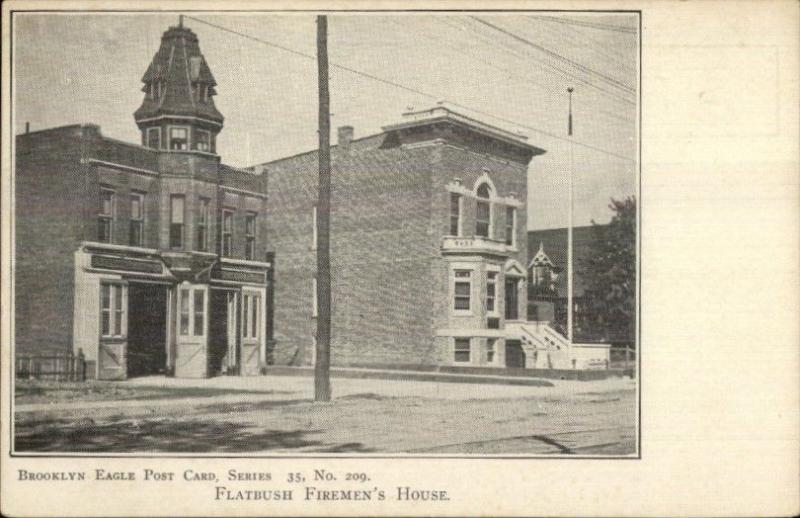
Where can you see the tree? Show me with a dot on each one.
(609, 274)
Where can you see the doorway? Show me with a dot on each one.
(223, 357)
(147, 329)
(512, 298)
(515, 355)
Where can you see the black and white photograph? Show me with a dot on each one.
(392, 258)
(254, 233)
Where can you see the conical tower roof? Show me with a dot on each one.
(178, 80)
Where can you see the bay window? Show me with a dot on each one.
(462, 290)
(511, 225)
(455, 214)
(202, 224)
(177, 207)
(227, 233)
(136, 223)
(250, 235)
(483, 212)
(105, 216)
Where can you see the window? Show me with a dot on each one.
(199, 312)
(462, 290)
(203, 139)
(314, 227)
(314, 300)
(177, 204)
(250, 235)
(179, 138)
(491, 291)
(136, 223)
(455, 214)
(184, 311)
(113, 310)
(461, 350)
(512, 310)
(154, 138)
(202, 224)
(227, 232)
(251, 315)
(483, 212)
(192, 311)
(490, 349)
(105, 218)
(511, 225)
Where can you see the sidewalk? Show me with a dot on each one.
(281, 388)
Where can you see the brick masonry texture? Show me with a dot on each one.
(51, 219)
(389, 212)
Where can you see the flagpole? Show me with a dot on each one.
(570, 304)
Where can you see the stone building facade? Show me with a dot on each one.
(148, 258)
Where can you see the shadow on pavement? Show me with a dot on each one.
(147, 436)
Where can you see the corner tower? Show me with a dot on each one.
(178, 112)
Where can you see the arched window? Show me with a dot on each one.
(483, 211)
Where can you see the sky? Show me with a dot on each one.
(87, 68)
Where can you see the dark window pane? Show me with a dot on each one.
(199, 312)
(176, 235)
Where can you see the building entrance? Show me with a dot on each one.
(515, 355)
(223, 346)
(147, 329)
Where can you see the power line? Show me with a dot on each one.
(407, 88)
(577, 37)
(514, 53)
(558, 56)
(592, 25)
(588, 83)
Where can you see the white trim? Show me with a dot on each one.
(485, 179)
(314, 298)
(512, 264)
(451, 280)
(243, 191)
(314, 227)
(245, 262)
(513, 242)
(492, 268)
(123, 167)
(119, 248)
(180, 117)
(467, 332)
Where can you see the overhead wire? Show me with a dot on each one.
(409, 89)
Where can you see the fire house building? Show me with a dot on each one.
(157, 258)
(148, 258)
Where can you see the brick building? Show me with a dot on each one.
(428, 249)
(157, 258)
(148, 258)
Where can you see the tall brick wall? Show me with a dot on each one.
(381, 253)
(51, 218)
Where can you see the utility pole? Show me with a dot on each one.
(322, 374)
(570, 305)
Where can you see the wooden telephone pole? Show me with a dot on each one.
(322, 375)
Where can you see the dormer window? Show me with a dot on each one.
(178, 138)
